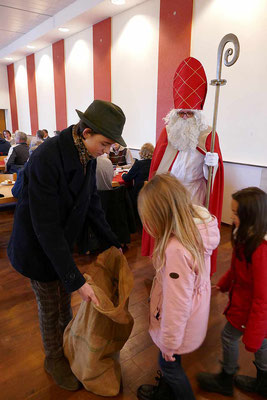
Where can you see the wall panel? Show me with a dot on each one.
(22, 94)
(134, 70)
(79, 73)
(45, 89)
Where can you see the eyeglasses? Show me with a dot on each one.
(189, 114)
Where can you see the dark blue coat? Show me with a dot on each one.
(139, 173)
(56, 200)
(4, 147)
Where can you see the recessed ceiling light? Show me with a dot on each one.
(118, 2)
(63, 29)
(8, 58)
(30, 47)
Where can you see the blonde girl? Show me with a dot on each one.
(185, 236)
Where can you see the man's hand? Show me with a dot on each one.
(168, 357)
(87, 294)
(211, 159)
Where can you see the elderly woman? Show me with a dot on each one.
(140, 170)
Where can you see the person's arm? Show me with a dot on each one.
(255, 329)
(11, 159)
(45, 206)
(226, 281)
(19, 183)
(178, 286)
(127, 177)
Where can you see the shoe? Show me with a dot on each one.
(253, 385)
(222, 383)
(160, 391)
(60, 371)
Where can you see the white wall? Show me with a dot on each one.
(22, 95)
(238, 177)
(45, 89)
(242, 117)
(134, 70)
(4, 95)
(79, 73)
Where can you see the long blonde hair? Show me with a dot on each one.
(166, 210)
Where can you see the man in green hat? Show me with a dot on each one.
(58, 197)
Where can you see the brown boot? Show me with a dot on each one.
(60, 371)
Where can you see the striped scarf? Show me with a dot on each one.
(84, 155)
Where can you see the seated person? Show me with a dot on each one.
(8, 137)
(104, 173)
(20, 176)
(45, 133)
(120, 156)
(38, 139)
(140, 170)
(4, 146)
(19, 153)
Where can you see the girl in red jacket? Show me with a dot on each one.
(185, 236)
(246, 282)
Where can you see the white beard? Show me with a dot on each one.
(183, 134)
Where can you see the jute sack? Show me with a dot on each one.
(94, 337)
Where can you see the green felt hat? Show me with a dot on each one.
(105, 118)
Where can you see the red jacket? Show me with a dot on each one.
(247, 307)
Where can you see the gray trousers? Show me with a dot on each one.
(54, 311)
(230, 342)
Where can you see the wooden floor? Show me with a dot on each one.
(22, 376)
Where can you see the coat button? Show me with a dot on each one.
(174, 275)
(243, 327)
(72, 276)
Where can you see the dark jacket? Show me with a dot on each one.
(18, 157)
(4, 147)
(139, 173)
(56, 200)
(247, 307)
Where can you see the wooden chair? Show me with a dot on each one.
(4, 177)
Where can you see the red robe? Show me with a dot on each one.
(216, 197)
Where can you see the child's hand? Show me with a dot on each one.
(168, 357)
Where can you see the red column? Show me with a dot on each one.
(102, 60)
(174, 46)
(60, 84)
(30, 61)
(12, 97)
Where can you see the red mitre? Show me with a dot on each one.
(189, 85)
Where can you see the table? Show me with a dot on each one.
(6, 191)
(118, 181)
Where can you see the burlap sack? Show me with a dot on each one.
(94, 337)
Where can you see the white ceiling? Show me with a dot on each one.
(36, 22)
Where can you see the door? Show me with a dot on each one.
(2, 120)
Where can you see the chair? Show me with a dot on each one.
(119, 212)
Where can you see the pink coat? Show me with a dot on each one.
(180, 299)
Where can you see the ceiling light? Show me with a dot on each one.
(63, 29)
(118, 2)
(8, 58)
(30, 47)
